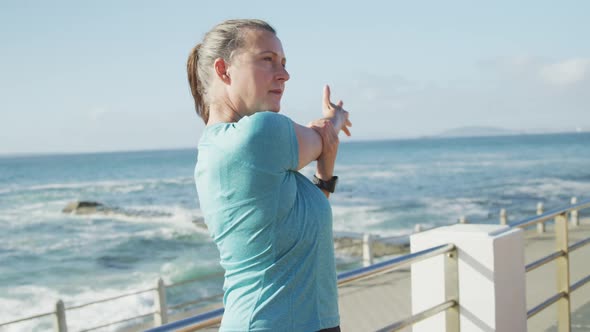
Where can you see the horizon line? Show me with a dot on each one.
(437, 136)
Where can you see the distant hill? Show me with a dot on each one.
(477, 131)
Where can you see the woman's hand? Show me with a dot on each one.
(330, 142)
(319, 139)
(335, 113)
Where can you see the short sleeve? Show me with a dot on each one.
(270, 141)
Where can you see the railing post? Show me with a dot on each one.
(462, 220)
(60, 317)
(503, 217)
(161, 314)
(367, 249)
(452, 290)
(563, 274)
(574, 214)
(417, 228)
(541, 225)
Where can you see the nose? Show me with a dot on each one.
(283, 75)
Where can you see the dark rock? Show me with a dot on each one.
(83, 207)
(199, 222)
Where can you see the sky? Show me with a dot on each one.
(87, 76)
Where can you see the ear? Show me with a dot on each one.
(221, 68)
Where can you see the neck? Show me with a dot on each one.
(223, 111)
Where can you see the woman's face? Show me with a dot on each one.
(257, 73)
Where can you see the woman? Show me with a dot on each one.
(272, 226)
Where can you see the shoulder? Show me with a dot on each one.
(265, 119)
(269, 137)
(266, 124)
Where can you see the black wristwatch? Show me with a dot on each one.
(328, 186)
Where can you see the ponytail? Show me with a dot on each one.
(196, 85)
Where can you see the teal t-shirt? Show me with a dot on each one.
(272, 226)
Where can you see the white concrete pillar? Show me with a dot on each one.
(491, 278)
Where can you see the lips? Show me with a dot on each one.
(276, 91)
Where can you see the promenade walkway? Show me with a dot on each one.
(371, 304)
(377, 302)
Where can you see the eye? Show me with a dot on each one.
(267, 58)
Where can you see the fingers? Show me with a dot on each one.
(347, 123)
(326, 99)
(337, 106)
(346, 131)
(335, 110)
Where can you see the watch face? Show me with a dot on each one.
(316, 180)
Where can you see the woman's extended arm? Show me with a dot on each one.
(310, 145)
(309, 138)
(327, 160)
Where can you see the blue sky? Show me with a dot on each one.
(81, 76)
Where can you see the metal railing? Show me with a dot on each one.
(160, 314)
(564, 287)
(213, 318)
(559, 215)
(450, 304)
(162, 308)
(367, 241)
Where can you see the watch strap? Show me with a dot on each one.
(328, 186)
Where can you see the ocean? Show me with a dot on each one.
(151, 226)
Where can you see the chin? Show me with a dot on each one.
(275, 108)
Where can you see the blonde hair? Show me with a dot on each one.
(220, 42)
